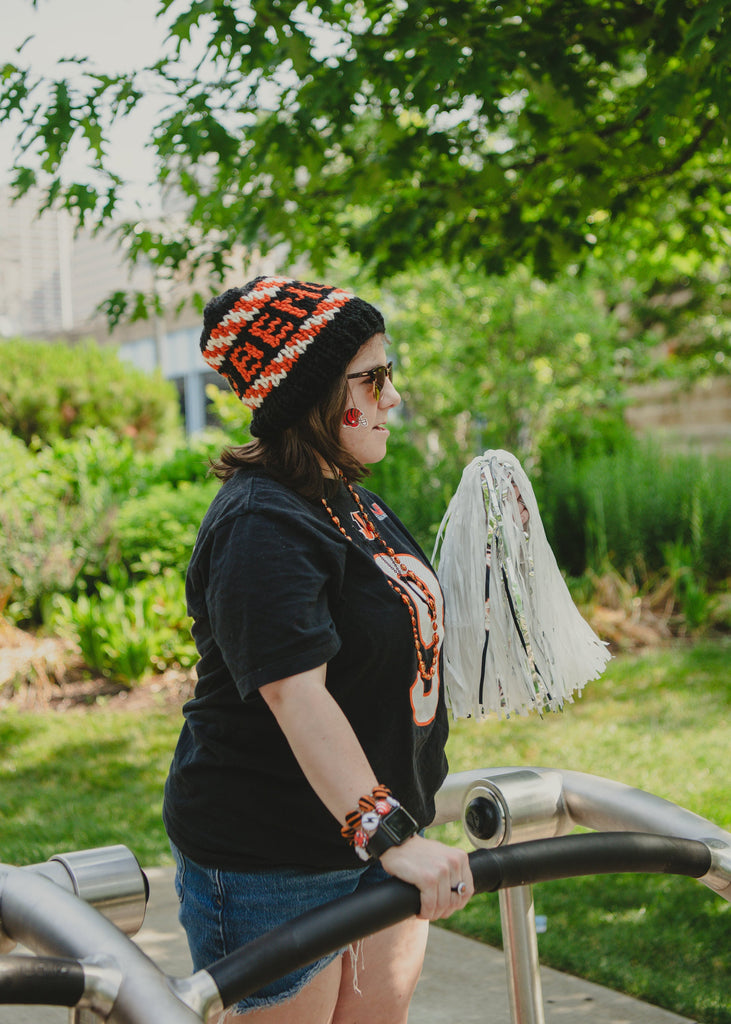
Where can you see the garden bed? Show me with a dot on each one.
(48, 673)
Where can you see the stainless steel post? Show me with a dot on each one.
(517, 917)
(109, 878)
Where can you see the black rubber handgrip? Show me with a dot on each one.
(336, 924)
(40, 981)
(596, 853)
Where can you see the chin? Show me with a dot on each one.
(374, 458)
(370, 454)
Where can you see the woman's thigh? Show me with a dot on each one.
(378, 982)
(372, 984)
(313, 1004)
(377, 986)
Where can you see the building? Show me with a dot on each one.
(35, 268)
(52, 282)
(52, 279)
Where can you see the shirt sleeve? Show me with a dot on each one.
(271, 579)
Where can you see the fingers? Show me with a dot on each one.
(461, 887)
(441, 872)
(440, 901)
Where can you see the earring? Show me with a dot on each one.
(354, 418)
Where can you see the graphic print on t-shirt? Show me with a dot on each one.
(363, 525)
(424, 694)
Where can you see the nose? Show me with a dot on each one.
(390, 397)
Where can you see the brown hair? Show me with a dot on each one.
(294, 456)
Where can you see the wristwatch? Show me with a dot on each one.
(393, 829)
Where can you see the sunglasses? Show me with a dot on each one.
(377, 378)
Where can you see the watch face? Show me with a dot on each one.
(399, 825)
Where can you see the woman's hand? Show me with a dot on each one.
(436, 869)
(524, 513)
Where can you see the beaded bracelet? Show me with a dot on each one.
(363, 822)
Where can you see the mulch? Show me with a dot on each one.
(48, 674)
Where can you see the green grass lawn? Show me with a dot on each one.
(660, 721)
(83, 778)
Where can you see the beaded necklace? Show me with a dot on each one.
(409, 579)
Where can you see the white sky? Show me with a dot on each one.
(118, 35)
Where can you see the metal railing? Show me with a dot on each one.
(500, 806)
(77, 913)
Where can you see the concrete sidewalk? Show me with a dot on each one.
(463, 982)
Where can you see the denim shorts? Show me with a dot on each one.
(223, 910)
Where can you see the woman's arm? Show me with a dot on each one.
(335, 765)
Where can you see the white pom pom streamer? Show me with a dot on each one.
(527, 647)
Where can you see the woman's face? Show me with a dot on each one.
(367, 441)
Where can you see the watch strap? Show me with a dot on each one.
(394, 829)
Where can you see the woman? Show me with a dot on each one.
(314, 743)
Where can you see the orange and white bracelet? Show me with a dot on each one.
(360, 824)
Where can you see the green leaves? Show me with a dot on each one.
(128, 630)
(80, 387)
(453, 130)
(506, 358)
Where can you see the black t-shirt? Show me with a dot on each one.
(275, 589)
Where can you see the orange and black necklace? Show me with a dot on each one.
(409, 580)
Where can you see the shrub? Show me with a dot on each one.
(584, 434)
(632, 507)
(71, 510)
(230, 412)
(696, 604)
(157, 530)
(56, 511)
(129, 629)
(190, 462)
(51, 390)
(98, 458)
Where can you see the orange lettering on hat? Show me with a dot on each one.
(286, 305)
(272, 331)
(247, 360)
(302, 291)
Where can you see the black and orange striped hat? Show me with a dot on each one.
(281, 343)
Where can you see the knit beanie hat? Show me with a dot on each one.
(281, 343)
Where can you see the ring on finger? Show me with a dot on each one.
(460, 888)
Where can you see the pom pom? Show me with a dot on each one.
(514, 640)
